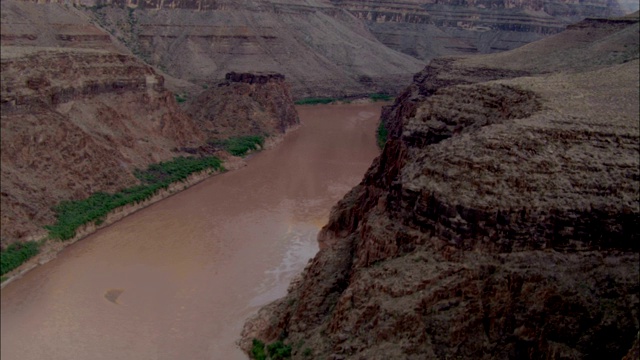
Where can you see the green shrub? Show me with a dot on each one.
(314, 101)
(279, 351)
(380, 97)
(381, 134)
(16, 254)
(257, 350)
(181, 98)
(239, 146)
(275, 351)
(70, 215)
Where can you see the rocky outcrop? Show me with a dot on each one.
(80, 129)
(245, 104)
(499, 221)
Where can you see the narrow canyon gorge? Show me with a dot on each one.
(220, 218)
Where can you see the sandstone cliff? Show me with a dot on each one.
(245, 104)
(499, 221)
(79, 129)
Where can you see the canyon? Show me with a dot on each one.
(92, 122)
(178, 278)
(354, 47)
(96, 120)
(500, 221)
(104, 113)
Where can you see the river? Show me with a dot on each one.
(178, 279)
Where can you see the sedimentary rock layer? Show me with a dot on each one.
(428, 29)
(499, 221)
(322, 50)
(51, 25)
(325, 48)
(79, 129)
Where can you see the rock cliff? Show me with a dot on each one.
(499, 221)
(51, 25)
(245, 104)
(322, 50)
(80, 113)
(353, 47)
(427, 28)
(80, 129)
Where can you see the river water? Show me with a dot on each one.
(178, 279)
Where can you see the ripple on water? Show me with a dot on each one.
(301, 245)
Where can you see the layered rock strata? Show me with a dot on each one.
(51, 25)
(353, 47)
(245, 104)
(428, 29)
(79, 129)
(322, 50)
(499, 221)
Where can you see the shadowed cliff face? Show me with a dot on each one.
(499, 221)
(245, 104)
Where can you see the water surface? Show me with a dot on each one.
(178, 279)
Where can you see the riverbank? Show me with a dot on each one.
(48, 248)
(190, 269)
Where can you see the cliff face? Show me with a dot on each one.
(499, 221)
(79, 114)
(428, 29)
(51, 25)
(80, 129)
(353, 47)
(245, 104)
(201, 41)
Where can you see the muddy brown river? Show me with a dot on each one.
(178, 279)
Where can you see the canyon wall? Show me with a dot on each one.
(322, 50)
(331, 48)
(80, 113)
(499, 221)
(79, 129)
(428, 28)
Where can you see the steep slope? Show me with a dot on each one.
(428, 29)
(80, 114)
(323, 51)
(80, 129)
(324, 48)
(51, 25)
(499, 222)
